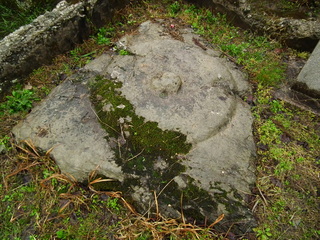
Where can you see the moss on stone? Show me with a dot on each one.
(138, 143)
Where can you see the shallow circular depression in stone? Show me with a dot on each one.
(199, 106)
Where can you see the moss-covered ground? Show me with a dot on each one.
(37, 202)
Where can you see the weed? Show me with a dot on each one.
(144, 236)
(113, 204)
(20, 100)
(270, 74)
(303, 55)
(62, 234)
(5, 144)
(124, 52)
(131, 20)
(236, 50)
(81, 59)
(174, 8)
(269, 133)
(46, 90)
(263, 234)
(104, 36)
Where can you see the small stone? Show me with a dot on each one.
(121, 106)
(121, 120)
(107, 107)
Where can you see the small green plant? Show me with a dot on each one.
(131, 20)
(20, 100)
(124, 52)
(271, 74)
(5, 144)
(269, 133)
(276, 106)
(113, 204)
(174, 8)
(263, 234)
(236, 50)
(62, 234)
(145, 236)
(79, 58)
(75, 53)
(46, 90)
(104, 36)
(283, 167)
(303, 55)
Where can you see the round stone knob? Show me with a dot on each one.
(168, 83)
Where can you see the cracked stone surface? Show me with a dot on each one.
(173, 78)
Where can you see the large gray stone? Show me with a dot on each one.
(308, 80)
(187, 89)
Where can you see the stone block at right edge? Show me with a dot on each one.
(309, 77)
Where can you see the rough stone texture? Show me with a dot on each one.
(67, 123)
(35, 44)
(301, 34)
(308, 80)
(182, 87)
(51, 34)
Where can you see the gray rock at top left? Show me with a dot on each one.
(35, 44)
(51, 34)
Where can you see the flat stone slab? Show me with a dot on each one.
(171, 78)
(309, 77)
(66, 122)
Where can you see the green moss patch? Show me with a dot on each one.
(138, 143)
(153, 154)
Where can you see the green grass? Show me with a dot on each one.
(256, 54)
(288, 146)
(36, 201)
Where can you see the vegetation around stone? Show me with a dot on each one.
(37, 202)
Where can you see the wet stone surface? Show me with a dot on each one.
(167, 120)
